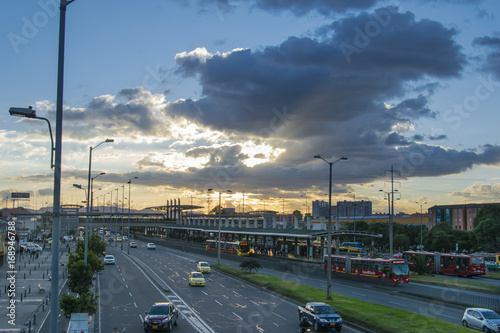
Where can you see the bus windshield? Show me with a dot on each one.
(244, 247)
(400, 269)
(478, 260)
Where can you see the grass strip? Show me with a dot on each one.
(378, 318)
(462, 283)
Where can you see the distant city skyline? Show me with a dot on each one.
(242, 95)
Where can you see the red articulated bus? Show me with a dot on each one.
(451, 263)
(390, 270)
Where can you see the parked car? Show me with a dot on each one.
(320, 315)
(203, 267)
(162, 316)
(482, 319)
(133, 244)
(109, 260)
(196, 279)
(151, 246)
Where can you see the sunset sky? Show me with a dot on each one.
(241, 95)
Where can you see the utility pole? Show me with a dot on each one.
(391, 211)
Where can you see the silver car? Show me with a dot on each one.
(482, 319)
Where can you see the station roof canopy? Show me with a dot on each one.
(299, 233)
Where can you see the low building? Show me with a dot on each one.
(459, 217)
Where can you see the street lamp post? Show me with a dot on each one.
(123, 198)
(329, 227)
(421, 232)
(30, 113)
(87, 231)
(116, 218)
(55, 163)
(92, 197)
(220, 221)
(128, 231)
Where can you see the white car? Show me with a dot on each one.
(124, 238)
(482, 319)
(109, 260)
(151, 246)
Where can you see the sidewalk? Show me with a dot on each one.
(31, 302)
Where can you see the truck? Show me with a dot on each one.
(320, 315)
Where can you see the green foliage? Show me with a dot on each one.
(95, 245)
(421, 264)
(401, 241)
(298, 214)
(80, 277)
(95, 263)
(250, 265)
(84, 303)
(487, 228)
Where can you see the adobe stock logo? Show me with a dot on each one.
(30, 28)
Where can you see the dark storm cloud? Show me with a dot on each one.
(107, 114)
(314, 80)
(492, 62)
(395, 139)
(297, 7)
(438, 137)
(324, 7)
(414, 160)
(219, 156)
(413, 108)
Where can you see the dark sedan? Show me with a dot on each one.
(161, 317)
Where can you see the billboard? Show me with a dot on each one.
(17, 195)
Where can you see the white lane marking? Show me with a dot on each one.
(277, 315)
(216, 301)
(238, 316)
(204, 292)
(191, 316)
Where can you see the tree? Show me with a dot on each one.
(95, 264)
(80, 277)
(487, 234)
(487, 228)
(95, 244)
(298, 214)
(441, 238)
(401, 241)
(249, 265)
(85, 303)
(421, 264)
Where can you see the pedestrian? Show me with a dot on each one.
(115, 330)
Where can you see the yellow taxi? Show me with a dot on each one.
(118, 239)
(196, 279)
(203, 267)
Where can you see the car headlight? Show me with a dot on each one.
(323, 320)
(146, 319)
(491, 323)
(165, 320)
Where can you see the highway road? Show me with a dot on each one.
(394, 296)
(224, 305)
